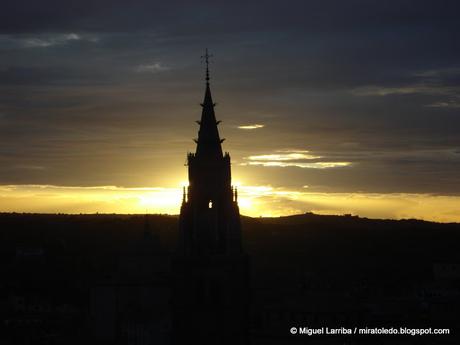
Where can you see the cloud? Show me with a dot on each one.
(50, 41)
(300, 159)
(438, 73)
(445, 104)
(29, 167)
(444, 82)
(254, 126)
(288, 156)
(43, 40)
(441, 85)
(187, 17)
(154, 67)
(315, 165)
(373, 90)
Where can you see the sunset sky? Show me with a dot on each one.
(327, 106)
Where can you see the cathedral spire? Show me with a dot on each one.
(210, 271)
(208, 142)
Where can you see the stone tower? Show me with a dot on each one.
(210, 269)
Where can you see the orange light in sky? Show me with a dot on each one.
(253, 200)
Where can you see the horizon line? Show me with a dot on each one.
(252, 217)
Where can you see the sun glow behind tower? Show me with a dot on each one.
(254, 201)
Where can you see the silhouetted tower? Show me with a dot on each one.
(211, 288)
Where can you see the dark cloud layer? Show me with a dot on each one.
(100, 92)
(224, 16)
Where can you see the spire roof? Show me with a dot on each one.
(208, 142)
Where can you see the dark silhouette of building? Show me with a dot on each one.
(211, 270)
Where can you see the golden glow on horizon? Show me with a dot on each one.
(254, 201)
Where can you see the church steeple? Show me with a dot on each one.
(210, 268)
(209, 214)
(208, 142)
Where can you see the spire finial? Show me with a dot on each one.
(206, 57)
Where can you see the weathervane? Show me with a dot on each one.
(206, 57)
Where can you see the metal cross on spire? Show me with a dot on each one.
(206, 57)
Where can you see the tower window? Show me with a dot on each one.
(210, 204)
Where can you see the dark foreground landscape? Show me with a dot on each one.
(106, 279)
